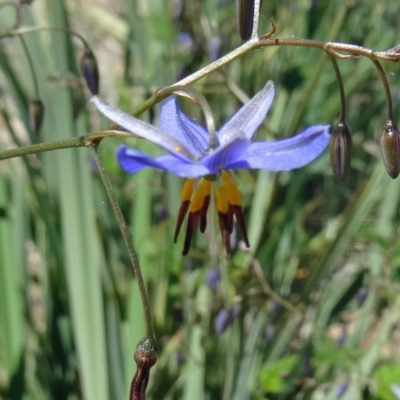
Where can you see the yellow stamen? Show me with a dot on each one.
(222, 199)
(199, 196)
(234, 196)
(187, 189)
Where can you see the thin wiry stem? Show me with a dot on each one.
(31, 67)
(335, 49)
(81, 141)
(341, 88)
(127, 239)
(386, 87)
(22, 31)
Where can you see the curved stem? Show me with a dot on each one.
(341, 88)
(30, 63)
(332, 48)
(22, 31)
(386, 87)
(81, 141)
(92, 141)
(127, 238)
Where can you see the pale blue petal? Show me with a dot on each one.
(143, 129)
(222, 157)
(249, 117)
(133, 161)
(187, 131)
(285, 154)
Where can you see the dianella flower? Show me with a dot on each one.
(207, 160)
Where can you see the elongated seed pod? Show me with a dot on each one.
(340, 151)
(390, 146)
(244, 17)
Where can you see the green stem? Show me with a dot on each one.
(332, 48)
(81, 141)
(341, 89)
(387, 88)
(127, 238)
(30, 63)
(22, 31)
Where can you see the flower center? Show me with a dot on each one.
(196, 200)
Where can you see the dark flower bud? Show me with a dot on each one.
(390, 146)
(36, 112)
(145, 357)
(90, 71)
(244, 17)
(340, 151)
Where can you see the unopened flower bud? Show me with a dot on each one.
(340, 151)
(244, 17)
(145, 356)
(90, 71)
(36, 112)
(390, 146)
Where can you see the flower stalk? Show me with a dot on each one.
(127, 238)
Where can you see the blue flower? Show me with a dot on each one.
(191, 156)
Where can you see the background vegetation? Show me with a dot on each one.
(314, 305)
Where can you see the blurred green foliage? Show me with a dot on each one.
(318, 291)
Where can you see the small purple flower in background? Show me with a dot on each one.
(212, 279)
(225, 318)
(361, 296)
(185, 41)
(213, 47)
(341, 389)
(192, 155)
(395, 389)
(342, 338)
(222, 321)
(269, 332)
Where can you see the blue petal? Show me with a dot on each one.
(249, 117)
(133, 161)
(223, 157)
(286, 154)
(187, 131)
(143, 129)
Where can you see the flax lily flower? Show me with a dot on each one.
(204, 166)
